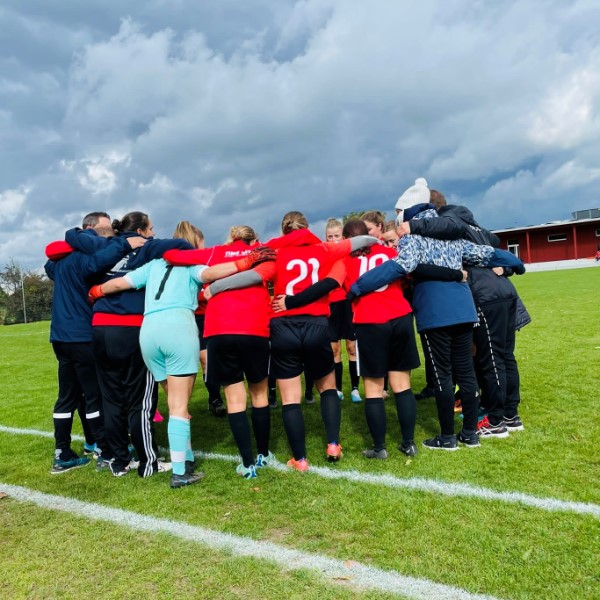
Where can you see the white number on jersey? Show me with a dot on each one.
(304, 267)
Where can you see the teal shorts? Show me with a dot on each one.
(169, 343)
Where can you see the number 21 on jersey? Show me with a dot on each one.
(307, 268)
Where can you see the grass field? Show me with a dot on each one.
(516, 518)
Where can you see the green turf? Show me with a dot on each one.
(507, 550)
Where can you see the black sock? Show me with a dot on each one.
(293, 423)
(339, 375)
(354, 378)
(241, 434)
(214, 391)
(376, 420)
(261, 424)
(272, 389)
(406, 405)
(331, 413)
(308, 385)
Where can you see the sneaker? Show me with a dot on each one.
(164, 467)
(408, 448)
(333, 452)
(514, 423)
(426, 392)
(103, 464)
(298, 465)
(372, 453)
(340, 395)
(458, 406)
(134, 463)
(62, 466)
(439, 442)
(246, 472)
(309, 398)
(264, 461)
(179, 481)
(470, 440)
(355, 396)
(119, 471)
(486, 429)
(91, 449)
(216, 407)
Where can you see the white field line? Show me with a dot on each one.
(418, 484)
(348, 573)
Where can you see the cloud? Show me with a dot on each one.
(11, 204)
(239, 113)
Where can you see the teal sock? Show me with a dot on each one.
(179, 438)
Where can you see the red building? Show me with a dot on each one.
(576, 238)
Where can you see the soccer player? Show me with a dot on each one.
(300, 337)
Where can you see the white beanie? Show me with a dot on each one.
(417, 194)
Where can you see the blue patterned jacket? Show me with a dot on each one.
(436, 303)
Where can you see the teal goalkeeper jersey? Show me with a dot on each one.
(167, 286)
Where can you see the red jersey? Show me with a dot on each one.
(241, 312)
(382, 305)
(302, 259)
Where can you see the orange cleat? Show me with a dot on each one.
(298, 465)
(333, 452)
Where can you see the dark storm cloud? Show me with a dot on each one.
(229, 112)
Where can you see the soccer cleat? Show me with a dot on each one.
(164, 467)
(426, 392)
(298, 465)
(103, 464)
(179, 481)
(216, 407)
(355, 396)
(514, 423)
(272, 401)
(486, 429)
(340, 395)
(265, 461)
(408, 448)
(458, 406)
(470, 440)
(246, 472)
(158, 418)
(442, 442)
(91, 449)
(309, 398)
(62, 466)
(333, 452)
(119, 471)
(372, 453)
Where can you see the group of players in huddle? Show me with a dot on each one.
(130, 310)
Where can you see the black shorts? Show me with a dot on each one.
(340, 321)
(300, 344)
(200, 323)
(230, 357)
(384, 347)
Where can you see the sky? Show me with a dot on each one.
(228, 112)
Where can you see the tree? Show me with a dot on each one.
(24, 296)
